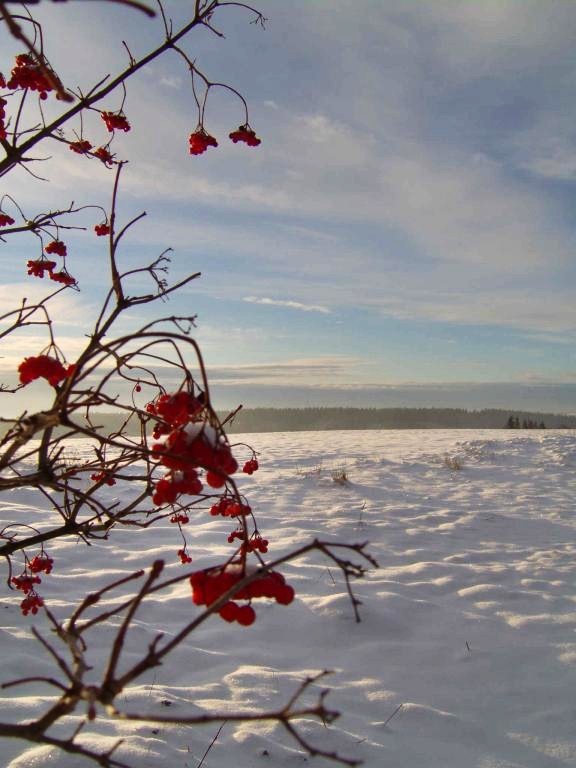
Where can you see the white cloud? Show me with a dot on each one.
(454, 205)
(288, 304)
(547, 148)
(549, 312)
(67, 308)
(15, 348)
(171, 82)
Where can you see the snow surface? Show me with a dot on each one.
(469, 622)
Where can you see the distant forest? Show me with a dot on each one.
(318, 419)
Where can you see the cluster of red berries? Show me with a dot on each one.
(188, 443)
(209, 585)
(63, 277)
(104, 155)
(175, 483)
(175, 410)
(255, 544)
(84, 147)
(229, 507)
(37, 267)
(27, 74)
(45, 367)
(180, 519)
(57, 247)
(31, 603)
(81, 147)
(184, 557)
(5, 220)
(41, 564)
(103, 476)
(115, 121)
(102, 229)
(250, 467)
(245, 134)
(200, 140)
(27, 583)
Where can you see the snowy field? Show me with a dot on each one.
(468, 629)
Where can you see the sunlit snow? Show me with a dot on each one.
(466, 653)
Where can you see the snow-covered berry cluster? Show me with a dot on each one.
(211, 584)
(186, 444)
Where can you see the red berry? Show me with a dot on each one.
(284, 594)
(229, 611)
(245, 615)
(215, 480)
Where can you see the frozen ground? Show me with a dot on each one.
(469, 622)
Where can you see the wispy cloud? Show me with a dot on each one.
(319, 371)
(287, 303)
(171, 82)
(67, 308)
(16, 348)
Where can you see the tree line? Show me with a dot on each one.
(317, 419)
(513, 422)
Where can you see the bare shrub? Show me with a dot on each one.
(169, 454)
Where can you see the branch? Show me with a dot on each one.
(17, 153)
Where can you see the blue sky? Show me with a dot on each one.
(403, 236)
